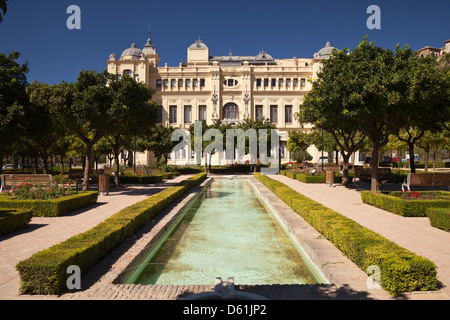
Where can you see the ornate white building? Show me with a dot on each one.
(230, 88)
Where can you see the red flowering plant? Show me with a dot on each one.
(33, 191)
(415, 195)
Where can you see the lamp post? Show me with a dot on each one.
(215, 99)
(246, 101)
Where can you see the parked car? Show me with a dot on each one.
(8, 167)
(386, 159)
(323, 160)
(406, 158)
(396, 159)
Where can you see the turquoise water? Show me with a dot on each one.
(227, 232)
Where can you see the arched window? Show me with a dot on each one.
(230, 112)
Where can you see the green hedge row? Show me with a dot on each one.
(440, 218)
(141, 180)
(401, 270)
(45, 271)
(53, 207)
(13, 219)
(320, 178)
(406, 208)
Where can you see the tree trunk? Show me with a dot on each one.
(62, 164)
(44, 160)
(345, 158)
(116, 160)
(427, 154)
(412, 163)
(87, 166)
(374, 162)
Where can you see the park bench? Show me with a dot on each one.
(384, 175)
(431, 179)
(10, 180)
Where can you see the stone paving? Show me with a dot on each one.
(347, 281)
(44, 232)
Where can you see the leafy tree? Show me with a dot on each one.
(158, 140)
(41, 125)
(299, 141)
(86, 108)
(13, 100)
(133, 113)
(427, 94)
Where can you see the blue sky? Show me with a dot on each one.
(284, 28)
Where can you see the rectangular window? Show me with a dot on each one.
(160, 113)
(188, 83)
(288, 114)
(166, 83)
(158, 83)
(173, 114)
(258, 82)
(295, 83)
(273, 114)
(127, 72)
(180, 83)
(202, 83)
(202, 113)
(195, 83)
(274, 83)
(136, 77)
(173, 83)
(302, 82)
(288, 83)
(283, 149)
(259, 112)
(187, 114)
(266, 82)
(281, 82)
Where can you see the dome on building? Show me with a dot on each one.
(325, 52)
(149, 48)
(263, 56)
(133, 51)
(198, 45)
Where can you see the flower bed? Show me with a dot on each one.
(46, 271)
(12, 219)
(401, 270)
(408, 204)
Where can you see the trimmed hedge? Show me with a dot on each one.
(45, 271)
(401, 270)
(319, 178)
(52, 207)
(440, 218)
(13, 219)
(406, 208)
(141, 180)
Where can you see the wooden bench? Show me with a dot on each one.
(384, 175)
(10, 180)
(431, 179)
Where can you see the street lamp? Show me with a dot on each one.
(322, 149)
(215, 99)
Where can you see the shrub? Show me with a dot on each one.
(408, 208)
(52, 207)
(13, 219)
(45, 271)
(440, 218)
(401, 270)
(141, 179)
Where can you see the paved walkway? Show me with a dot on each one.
(413, 233)
(44, 232)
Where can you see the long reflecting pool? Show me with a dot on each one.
(227, 232)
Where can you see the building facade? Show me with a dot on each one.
(230, 88)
